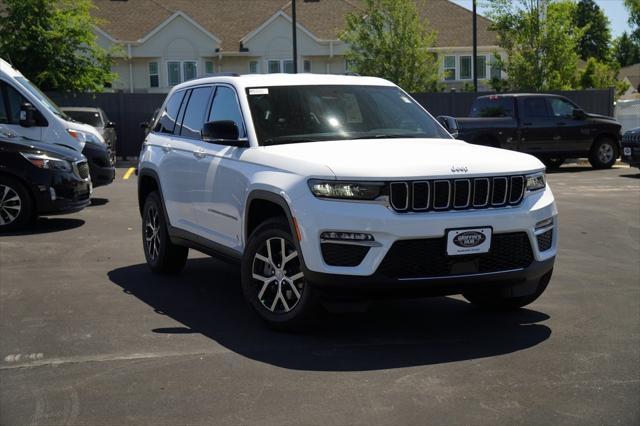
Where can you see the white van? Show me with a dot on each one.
(30, 113)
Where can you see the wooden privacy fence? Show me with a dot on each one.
(127, 110)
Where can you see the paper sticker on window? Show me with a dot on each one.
(260, 91)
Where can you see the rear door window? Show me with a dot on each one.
(195, 112)
(168, 119)
(492, 106)
(535, 107)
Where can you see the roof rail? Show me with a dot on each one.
(223, 74)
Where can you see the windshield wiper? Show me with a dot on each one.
(391, 136)
(287, 139)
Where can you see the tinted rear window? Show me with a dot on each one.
(492, 106)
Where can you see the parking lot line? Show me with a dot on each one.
(129, 172)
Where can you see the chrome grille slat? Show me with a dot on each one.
(456, 188)
(436, 192)
(459, 194)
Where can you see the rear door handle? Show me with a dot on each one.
(167, 147)
(199, 153)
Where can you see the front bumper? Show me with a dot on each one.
(632, 155)
(61, 193)
(388, 227)
(101, 164)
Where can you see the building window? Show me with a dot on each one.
(253, 67)
(188, 70)
(307, 66)
(465, 67)
(495, 69)
(274, 67)
(449, 68)
(481, 66)
(173, 73)
(154, 78)
(287, 66)
(208, 67)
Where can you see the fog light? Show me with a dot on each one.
(52, 193)
(544, 223)
(346, 236)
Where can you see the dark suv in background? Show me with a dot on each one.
(551, 127)
(39, 179)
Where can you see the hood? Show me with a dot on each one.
(601, 117)
(28, 145)
(388, 159)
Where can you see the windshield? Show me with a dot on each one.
(91, 118)
(51, 106)
(292, 114)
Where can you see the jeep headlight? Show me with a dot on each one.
(345, 190)
(44, 161)
(536, 182)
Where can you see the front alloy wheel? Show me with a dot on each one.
(10, 205)
(273, 281)
(151, 229)
(276, 270)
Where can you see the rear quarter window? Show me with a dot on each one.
(492, 106)
(167, 121)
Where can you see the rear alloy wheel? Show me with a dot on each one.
(15, 204)
(272, 278)
(162, 255)
(603, 154)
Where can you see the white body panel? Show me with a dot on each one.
(56, 129)
(208, 194)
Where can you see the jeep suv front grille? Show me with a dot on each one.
(456, 194)
(427, 258)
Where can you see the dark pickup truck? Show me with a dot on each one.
(551, 127)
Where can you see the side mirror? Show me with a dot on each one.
(449, 123)
(579, 114)
(224, 132)
(27, 115)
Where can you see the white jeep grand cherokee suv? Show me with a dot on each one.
(327, 186)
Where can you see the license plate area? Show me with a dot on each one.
(468, 241)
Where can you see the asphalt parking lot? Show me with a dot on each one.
(89, 336)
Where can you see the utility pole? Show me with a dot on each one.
(295, 39)
(474, 59)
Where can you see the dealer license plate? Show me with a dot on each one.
(468, 241)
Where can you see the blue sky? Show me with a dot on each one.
(614, 9)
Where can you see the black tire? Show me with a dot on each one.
(604, 153)
(553, 163)
(162, 255)
(500, 300)
(16, 205)
(282, 303)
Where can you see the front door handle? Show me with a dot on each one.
(199, 153)
(166, 147)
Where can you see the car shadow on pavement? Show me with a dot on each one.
(206, 298)
(571, 169)
(636, 176)
(45, 225)
(98, 202)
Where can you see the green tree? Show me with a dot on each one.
(601, 75)
(596, 36)
(540, 42)
(389, 40)
(51, 42)
(625, 50)
(634, 18)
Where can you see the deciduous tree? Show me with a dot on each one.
(390, 40)
(52, 43)
(596, 37)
